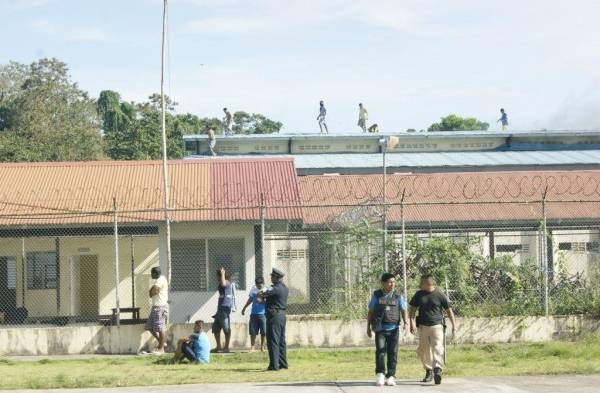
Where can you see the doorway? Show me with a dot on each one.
(8, 284)
(84, 289)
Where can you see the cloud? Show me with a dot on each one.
(257, 16)
(83, 34)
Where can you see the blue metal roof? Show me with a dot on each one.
(450, 159)
(424, 134)
(442, 159)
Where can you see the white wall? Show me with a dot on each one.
(190, 306)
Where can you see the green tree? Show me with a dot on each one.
(254, 123)
(132, 131)
(457, 123)
(44, 116)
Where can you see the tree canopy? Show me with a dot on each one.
(44, 116)
(457, 123)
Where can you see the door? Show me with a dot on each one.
(8, 283)
(88, 285)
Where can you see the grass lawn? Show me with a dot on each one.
(560, 357)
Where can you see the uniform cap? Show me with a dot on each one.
(277, 273)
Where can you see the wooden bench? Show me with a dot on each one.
(134, 311)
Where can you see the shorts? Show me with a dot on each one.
(221, 322)
(188, 352)
(212, 143)
(258, 324)
(362, 123)
(157, 320)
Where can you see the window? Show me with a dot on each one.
(565, 246)
(188, 261)
(592, 246)
(227, 253)
(508, 247)
(8, 273)
(289, 254)
(579, 246)
(42, 270)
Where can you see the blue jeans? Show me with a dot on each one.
(386, 342)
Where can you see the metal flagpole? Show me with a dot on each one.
(164, 145)
(117, 276)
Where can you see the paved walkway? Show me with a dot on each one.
(538, 384)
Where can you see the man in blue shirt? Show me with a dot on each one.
(224, 307)
(387, 309)
(504, 119)
(195, 348)
(258, 321)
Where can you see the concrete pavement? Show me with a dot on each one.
(537, 384)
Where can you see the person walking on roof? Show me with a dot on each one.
(363, 116)
(321, 117)
(212, 141)
(227, 122)
(503, 119)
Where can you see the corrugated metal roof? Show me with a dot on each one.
(440, 159)
(449, 159)
(474, 196)
(59, 192)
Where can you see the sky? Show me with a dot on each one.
(409, 61)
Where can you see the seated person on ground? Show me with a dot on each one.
(195, 348)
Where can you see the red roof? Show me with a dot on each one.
(200, 190)
(447, 197)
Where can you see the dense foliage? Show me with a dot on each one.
(457, 123)
(477, 285)
(45, 116)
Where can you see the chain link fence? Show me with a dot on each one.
(529, 257)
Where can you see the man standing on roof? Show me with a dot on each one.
(321, 117)
(504, 119)
(212, 141)
(227, 122)
(363, 116)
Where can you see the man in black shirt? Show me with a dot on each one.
(432, 304)
(276, 299)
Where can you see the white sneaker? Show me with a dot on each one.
(380, 380)
(391, 381)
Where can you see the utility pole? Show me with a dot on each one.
(164, 144)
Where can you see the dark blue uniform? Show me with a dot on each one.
(276, 304)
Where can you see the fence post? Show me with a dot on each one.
(404, 265)
(117, 312)
(543, 254)
(261, 266)
(132, 249)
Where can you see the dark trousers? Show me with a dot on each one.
(276, 340)
(386, 342)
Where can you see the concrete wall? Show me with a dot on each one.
(300, 333)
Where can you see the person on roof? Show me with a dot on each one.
(363, 116)
(321, 117)
(503, 119)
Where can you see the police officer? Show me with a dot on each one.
(387, 310)
(276, 299)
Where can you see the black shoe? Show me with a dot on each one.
(437, 375)
(428, 376)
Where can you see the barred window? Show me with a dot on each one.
(188, 261)
(42, 270)
(229, 254)
(509, 247)
(289, 254)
